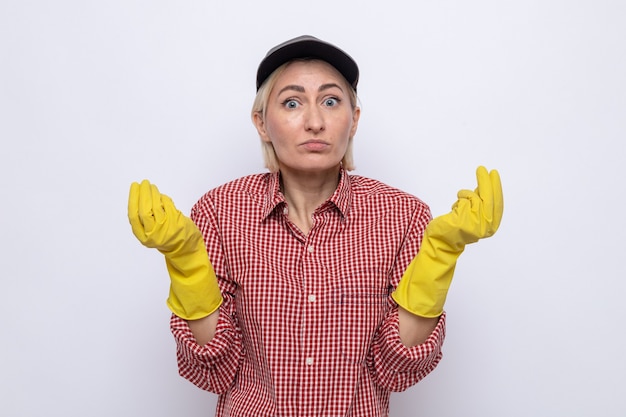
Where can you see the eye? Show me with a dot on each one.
(291, 104)
(331, 102)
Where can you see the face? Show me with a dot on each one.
(309, 118)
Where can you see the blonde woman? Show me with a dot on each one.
(306, 290)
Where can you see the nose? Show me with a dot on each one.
(314, 119)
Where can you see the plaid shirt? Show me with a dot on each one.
(307, 327)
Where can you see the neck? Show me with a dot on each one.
(305, 192)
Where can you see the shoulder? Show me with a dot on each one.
(364, 188)
(249, 184)
(374, 199)
(395, 213)
(249, 188)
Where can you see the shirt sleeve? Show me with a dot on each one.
(214, 366)
(393, 365)
(397, 367)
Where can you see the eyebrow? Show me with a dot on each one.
(300, 89)
(329, 85)
(297, 88)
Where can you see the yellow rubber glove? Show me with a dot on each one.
(157, 223)
(475, 215)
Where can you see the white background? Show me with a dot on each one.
(97, 94)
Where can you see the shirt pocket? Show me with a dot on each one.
(362, 308)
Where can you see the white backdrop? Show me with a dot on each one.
(96, 94)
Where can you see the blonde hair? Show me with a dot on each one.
(260, 105)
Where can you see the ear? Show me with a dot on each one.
(356, 114)
(259, 123)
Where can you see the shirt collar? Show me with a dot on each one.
(340, 198)
(274, 198)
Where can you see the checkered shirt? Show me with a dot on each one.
(307, 327)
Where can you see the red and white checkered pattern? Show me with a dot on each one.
(307, 327)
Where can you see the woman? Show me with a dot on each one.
(317, 300)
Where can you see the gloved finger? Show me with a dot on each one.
(133, 212)
(168, 206)
(498, 199)
(463, 210)
(157, 205)
(472, 197)
(472, 216)
(146, 215)
(485, 191)
(462, 195)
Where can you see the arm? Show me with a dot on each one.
(208, 339)
(156, 223)
(409, 344)
(477, 214)
(212, 366)
(209, 349)
(393, 364)
(406, 347)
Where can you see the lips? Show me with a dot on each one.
(315, 145)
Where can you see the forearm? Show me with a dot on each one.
(204, 329)
(414, 330)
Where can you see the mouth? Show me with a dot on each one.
(315, 145)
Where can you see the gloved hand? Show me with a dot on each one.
(475, 215)
(157, 223)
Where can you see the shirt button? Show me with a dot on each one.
(310, 248)
(312, 298)
(285, 210)
(309, 361)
